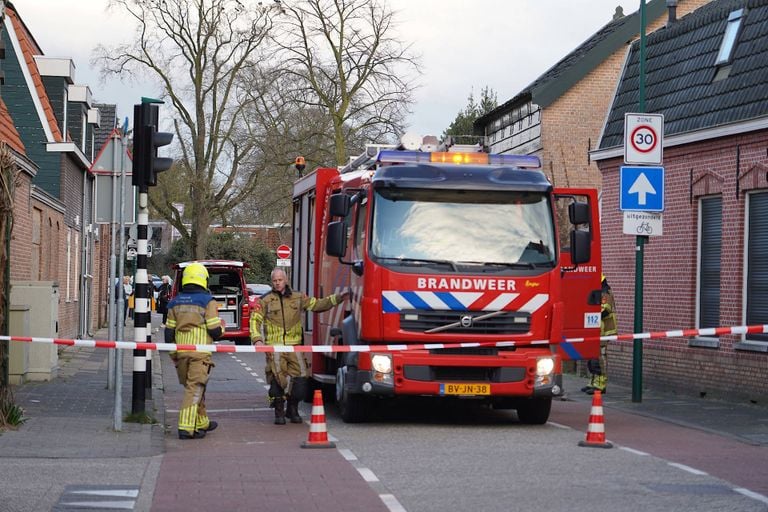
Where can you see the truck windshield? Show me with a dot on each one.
(492, 229)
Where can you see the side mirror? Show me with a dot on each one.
(580, 247)
(336, 243)
(578, 213)
(339, 206)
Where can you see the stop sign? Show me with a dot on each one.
(283, 252)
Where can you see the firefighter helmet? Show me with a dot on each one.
(195, 273)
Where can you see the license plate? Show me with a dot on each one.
(465, 389)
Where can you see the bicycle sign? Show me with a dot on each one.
(643, 142)
(643, 223)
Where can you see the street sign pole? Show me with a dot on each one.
(637, 345)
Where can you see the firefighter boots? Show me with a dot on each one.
(293, 410)
(197, 434)
(279, 404)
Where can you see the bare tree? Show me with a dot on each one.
(10, 414)
(342, 57)
(197, 51)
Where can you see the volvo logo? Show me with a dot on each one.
(466, 321)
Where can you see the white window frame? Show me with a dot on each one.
(729, 38)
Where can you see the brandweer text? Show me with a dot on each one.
(465, 284)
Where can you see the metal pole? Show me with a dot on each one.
(121, 301)
(140, 305)
(637, 345)
(111, 316)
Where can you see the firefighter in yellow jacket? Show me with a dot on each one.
(279, 315)
(193, 319)
(598, 368)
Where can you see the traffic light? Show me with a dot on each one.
(139, 173)
(146, 140)
(156, 164)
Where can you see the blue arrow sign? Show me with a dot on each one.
(642, 189)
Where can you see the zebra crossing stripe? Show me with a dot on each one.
(97, 497)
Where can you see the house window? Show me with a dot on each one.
(83, 132)
(69, 265)
(710, 251)
(37, 247)
(756, 262)
(729, 39)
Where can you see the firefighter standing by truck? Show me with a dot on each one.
(598, 368)
(193, 320)
(280, 314)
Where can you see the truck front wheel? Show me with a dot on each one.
(534, 411)
(353, 408)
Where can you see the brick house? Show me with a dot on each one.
(559, 116)
(54, 119)
(707, 73)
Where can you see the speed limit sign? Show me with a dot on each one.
(643, 138)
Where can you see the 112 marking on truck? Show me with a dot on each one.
(447, 245)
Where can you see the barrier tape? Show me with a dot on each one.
(129, 345)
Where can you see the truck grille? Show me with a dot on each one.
(426, 373)
(511, 322)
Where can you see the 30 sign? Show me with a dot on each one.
(643, 143)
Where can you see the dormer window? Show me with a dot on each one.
(729, 39)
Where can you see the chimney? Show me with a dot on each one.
(672, 6)
(619, 13)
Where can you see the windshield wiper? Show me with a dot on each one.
(509, 264)
(406, 261)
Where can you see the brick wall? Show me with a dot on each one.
(572, 124)
(670, 269)
(21, 236)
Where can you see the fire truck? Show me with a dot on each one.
(443, 245)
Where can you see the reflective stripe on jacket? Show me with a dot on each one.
(191, 316)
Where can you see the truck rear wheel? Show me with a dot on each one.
(534, 411)
(353, 408)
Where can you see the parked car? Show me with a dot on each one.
(226, 282)
(258, 289)
(255, 291)
(155, 280)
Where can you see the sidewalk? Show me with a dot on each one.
(67, 455)
(744, 422)
(68, 452)
(68, 444)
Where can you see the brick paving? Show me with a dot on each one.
(248, 463)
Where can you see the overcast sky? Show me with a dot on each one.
(464, 45)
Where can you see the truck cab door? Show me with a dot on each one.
(580, 285)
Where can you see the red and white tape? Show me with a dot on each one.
(129, 345)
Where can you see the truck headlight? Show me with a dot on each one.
(545, 366)
(382, 363)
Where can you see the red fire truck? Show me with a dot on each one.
(447, 246)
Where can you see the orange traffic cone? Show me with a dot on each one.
(318, 435)
(596, 427)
